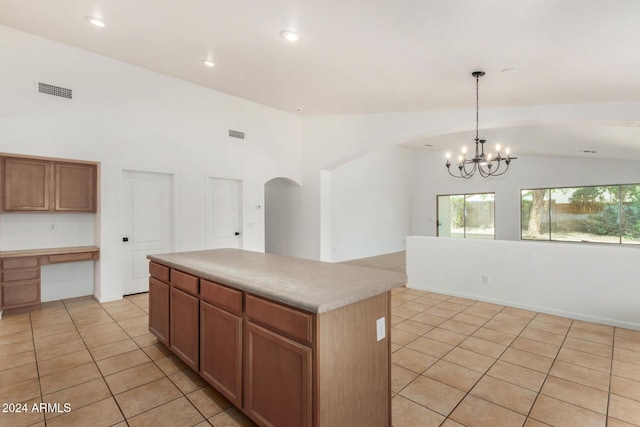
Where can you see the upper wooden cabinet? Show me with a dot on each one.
(48, 186)
(27, 185)
(75, 187)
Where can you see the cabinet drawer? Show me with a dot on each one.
(20, 274)
(184, 281)
(221, 296)
(85, 256)
(285, 320)
(159, 271)
(20, 294)
(19, 263)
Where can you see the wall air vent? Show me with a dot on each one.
(236, 134)
(58, 91)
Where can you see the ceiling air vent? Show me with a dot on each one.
(236, 134)
(58, 91)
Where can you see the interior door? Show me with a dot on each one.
(147, 224)
(224, 213)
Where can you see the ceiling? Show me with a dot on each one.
(370, 56)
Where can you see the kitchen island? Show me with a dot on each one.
(290, 342)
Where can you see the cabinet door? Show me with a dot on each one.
(27, 185)
(159, 310)
(185, 327)
(221, 351)
(277, 379)
(75, 187)
(20, 294)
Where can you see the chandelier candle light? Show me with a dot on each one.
(483, 163)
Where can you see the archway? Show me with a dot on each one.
(282, 201)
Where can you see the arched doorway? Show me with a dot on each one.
(282, 199)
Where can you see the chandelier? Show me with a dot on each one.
(483, 163)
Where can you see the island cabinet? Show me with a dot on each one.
(184, 318)
(221, 339)
(279, 365)
(159, 302)
(251, 326)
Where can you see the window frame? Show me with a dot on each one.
(465, 195)
(549, 233)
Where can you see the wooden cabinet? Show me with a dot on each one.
(75, 187)
(159, 302)
(27, 185)
(20, 282)
(184, 318)
(278, 379)
(282, 366)
(35, 185)
(221, 351)
(159, 310)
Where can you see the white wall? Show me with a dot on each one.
(126, 117)
(431, 179)
(33, 230)
(370, 204)
(596, 283)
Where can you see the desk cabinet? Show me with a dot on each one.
(20, 273)
(20, 282)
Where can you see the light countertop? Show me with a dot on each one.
(312, 286)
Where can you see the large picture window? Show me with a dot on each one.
(595, 214)
(466, 216)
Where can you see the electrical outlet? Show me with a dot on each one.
(381, 330)
(486, 279)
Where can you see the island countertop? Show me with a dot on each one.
(313, 286)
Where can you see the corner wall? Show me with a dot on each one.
(371, 204)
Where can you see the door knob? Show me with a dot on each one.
(125, 239)
(237, 233)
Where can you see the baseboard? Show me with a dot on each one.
(545, 310)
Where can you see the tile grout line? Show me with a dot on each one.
(549, 373)
(95, 362)
(164, 373)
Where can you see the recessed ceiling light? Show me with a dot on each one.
(209, 63)
(96, 22)
(508, 71)
(292, 36)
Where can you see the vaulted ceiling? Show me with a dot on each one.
(366, 56)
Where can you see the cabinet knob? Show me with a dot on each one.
(125, 239)
(237, 233)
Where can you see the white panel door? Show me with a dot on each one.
(224, 213)
(147, 224)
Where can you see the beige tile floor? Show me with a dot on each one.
(455, 362)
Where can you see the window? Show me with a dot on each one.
(596, 214)
(466, 216)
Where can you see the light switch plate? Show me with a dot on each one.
(381, 330)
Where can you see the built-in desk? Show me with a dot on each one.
(20, 272)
